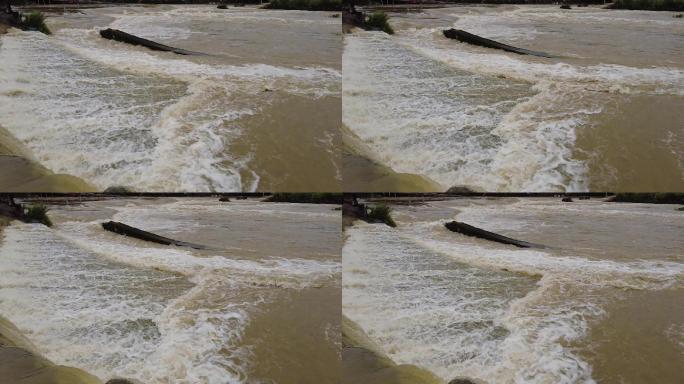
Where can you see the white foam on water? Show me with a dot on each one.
(73, 112)
(164, 122)
(461, 306)
(461, 114)
(135, 18)
(420, 116)
(675, 332)
(606, 78)
(279, 271)
(249, 78)
(117, 306)
(157, 217)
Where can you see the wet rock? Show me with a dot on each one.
(220, 6)
(567, 199)
(565, 6)
(122, 381)
(459, 189)
(118, 189)
(225, 199)
(459, 380)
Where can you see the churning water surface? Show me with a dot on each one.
(597, 116)
(114, 114)
(461, 306)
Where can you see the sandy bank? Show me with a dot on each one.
(362, 173)
(363, 361)
(22, 174)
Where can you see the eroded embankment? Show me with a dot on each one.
(363, 173)
(22, 173)
(363, 361)
(21, 363)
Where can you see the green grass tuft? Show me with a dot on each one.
(35, 20)
(307, 5)
(38, 213)
(379, 20)
(381, 213)
(309, 198)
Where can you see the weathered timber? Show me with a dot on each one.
(470, 38)
(469, 230)
(127, 230)
(115, 34)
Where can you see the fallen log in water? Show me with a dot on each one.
(469, 38)
(127, 230)
(469, 230)
(115, 34)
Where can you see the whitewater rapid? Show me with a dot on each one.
(465, 115)
(120, 307)
(114, 114)
(461, 306)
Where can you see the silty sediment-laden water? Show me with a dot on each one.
(600, 305)
(114, 114)
(120, 307)
(598, 116)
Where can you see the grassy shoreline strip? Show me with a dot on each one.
(306, 5)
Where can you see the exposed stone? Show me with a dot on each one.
(118, 189)
(459, 189)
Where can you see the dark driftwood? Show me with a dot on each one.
(115, 34)
(469, 38)
(469, 230)
(127, 230)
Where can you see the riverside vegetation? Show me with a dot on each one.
(379, 20)
(35, 21)
(38, 213)
(308, 5)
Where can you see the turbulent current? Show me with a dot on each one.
(497, 121)
(114, 114)
(120, 307)
(600, 308)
